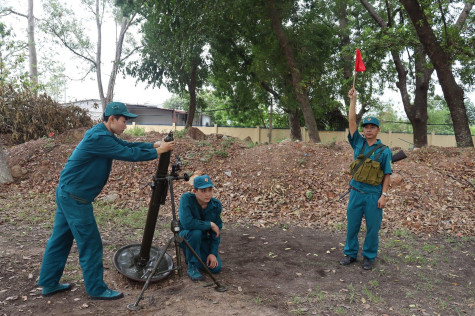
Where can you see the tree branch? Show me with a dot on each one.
(14, 12)
(131, 53)
(374, 14)
(463, 15)
(72, 49)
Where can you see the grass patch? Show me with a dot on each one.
(372, 297)
(135, 131)
(318, 294)
(180, 134)
(251, 144)
(401, 233)
(309, 194)
(429, 248)
(32, 209)
(109, 216)
(340, 310)
(204, 143)
(340, 226)
(415, 257)
(351, 293)
(221, 153)
(228, 142)
(258, 300)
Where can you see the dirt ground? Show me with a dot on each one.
(282, 240)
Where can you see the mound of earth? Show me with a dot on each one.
(296, 183)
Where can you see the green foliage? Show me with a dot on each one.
(180, 134)
(309, 194)
(14, 62)
(439, 119)
(176, 102)
(251, 144)
(231, 47)
(12, 58)
(228, 141)
(135, 131)
(221, 153)
(24, 116)
(173, 42)
(68, 29)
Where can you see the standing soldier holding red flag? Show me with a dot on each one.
(371, 172)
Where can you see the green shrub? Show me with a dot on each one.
(135, 131)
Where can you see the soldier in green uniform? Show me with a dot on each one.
(200, 225)
(366, 199)
(82, 179)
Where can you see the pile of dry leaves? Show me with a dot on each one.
(290, 183)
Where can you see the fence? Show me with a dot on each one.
(261, 135)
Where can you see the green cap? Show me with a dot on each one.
(118, 108)
(371, 120)
(202, 182)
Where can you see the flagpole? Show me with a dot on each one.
(354, 79)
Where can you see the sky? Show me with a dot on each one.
(126, 90)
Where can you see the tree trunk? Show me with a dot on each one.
(5, 175)
(192, 91)
(294, 124)
(115, 68)
(419, 116)
(297, 84)
(99, 56)
(294, 121)
(32, 47)
(453, 93)
(347, 58)
(271, 113)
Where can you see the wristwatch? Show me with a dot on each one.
(385, 194)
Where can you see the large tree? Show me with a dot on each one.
(247, 59)
(174, 39)
(298, 85)
(416, 111)
(439, 51)
(248, 71)
(69, 30)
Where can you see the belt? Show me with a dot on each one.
(353, 188)
(348, 191)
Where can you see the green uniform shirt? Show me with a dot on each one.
(193, 217)
(87, 170)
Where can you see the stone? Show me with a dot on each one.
(17, 171)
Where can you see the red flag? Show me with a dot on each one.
(359, 66)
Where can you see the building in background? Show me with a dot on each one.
(147, 114)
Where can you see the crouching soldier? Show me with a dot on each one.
(200, 225)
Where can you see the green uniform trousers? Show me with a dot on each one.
(74, 220)
(201, 244)
(359, 205)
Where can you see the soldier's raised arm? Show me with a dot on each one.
(352, 111)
